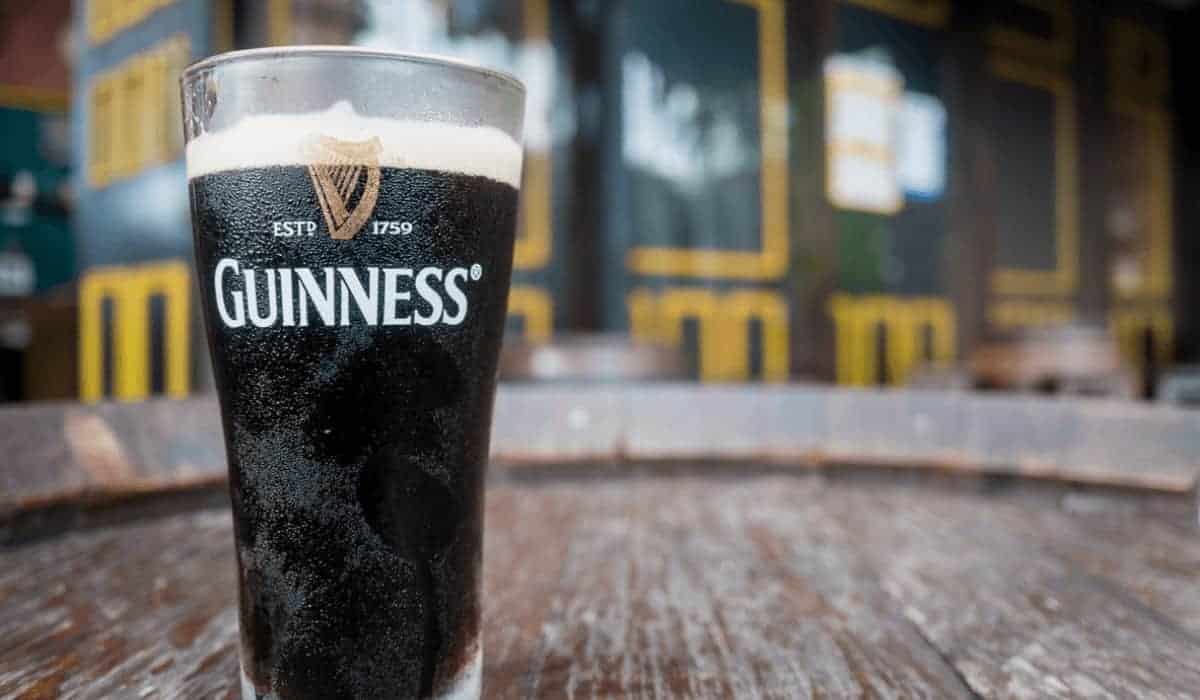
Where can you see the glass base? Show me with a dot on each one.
(469, 685)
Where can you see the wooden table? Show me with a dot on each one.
(731, 580)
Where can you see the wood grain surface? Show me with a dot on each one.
(695, 584)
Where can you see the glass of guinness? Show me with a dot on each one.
(353, 214)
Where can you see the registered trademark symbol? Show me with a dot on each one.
(476, 271)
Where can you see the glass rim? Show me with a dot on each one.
(278, 52)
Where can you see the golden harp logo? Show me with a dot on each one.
(345, 172)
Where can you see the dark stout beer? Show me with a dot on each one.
(354, 311)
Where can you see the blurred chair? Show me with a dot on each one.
(608, 357)
(1079, 360)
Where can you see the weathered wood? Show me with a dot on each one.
(68, 452)
(133, 612)
(61, 453)
(669, 591)
(688, 586)
(1014, 616)
(527, 536)
(1150, 557)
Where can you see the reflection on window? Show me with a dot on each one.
(670, 132)
(693, 153)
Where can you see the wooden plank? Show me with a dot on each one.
(60, 452)
(141, 612)
(898, 660)
(667, 591)
(882, 654)
(1014, 617)
(689, 586)
(1122, 541)
(607, 588)
(526, 537)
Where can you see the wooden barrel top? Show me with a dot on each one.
(737, 580)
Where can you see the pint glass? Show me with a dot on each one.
(353, 214)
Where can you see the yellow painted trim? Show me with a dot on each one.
(677, 305)
(223, 29)
(858, 320)
(133, 113)
(98, 13)
(107, 18)
(534, 246)
(536, 308)
(130, 289)
(1161, 194)
(743, 306)
(1041, 63)
(927, 13)
(155, 106)
(279, 22)
(1130, 42)
(535, 241)
(771, 261)
(131, 101)
(1158, 190)
(853, 360)
(1129, 324)
(723, 321)
(34, 99)
(101, 120)
(535, 20)
(1064, 278)
(1141, 98)
(178, 55)
(1059, 50)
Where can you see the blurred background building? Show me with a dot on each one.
(945, 193)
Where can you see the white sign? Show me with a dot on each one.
(882, 143)
(921, 146)
(861, 101)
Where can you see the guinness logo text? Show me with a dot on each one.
(342, 296)
(345, 173)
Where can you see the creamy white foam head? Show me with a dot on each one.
(286, 139)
